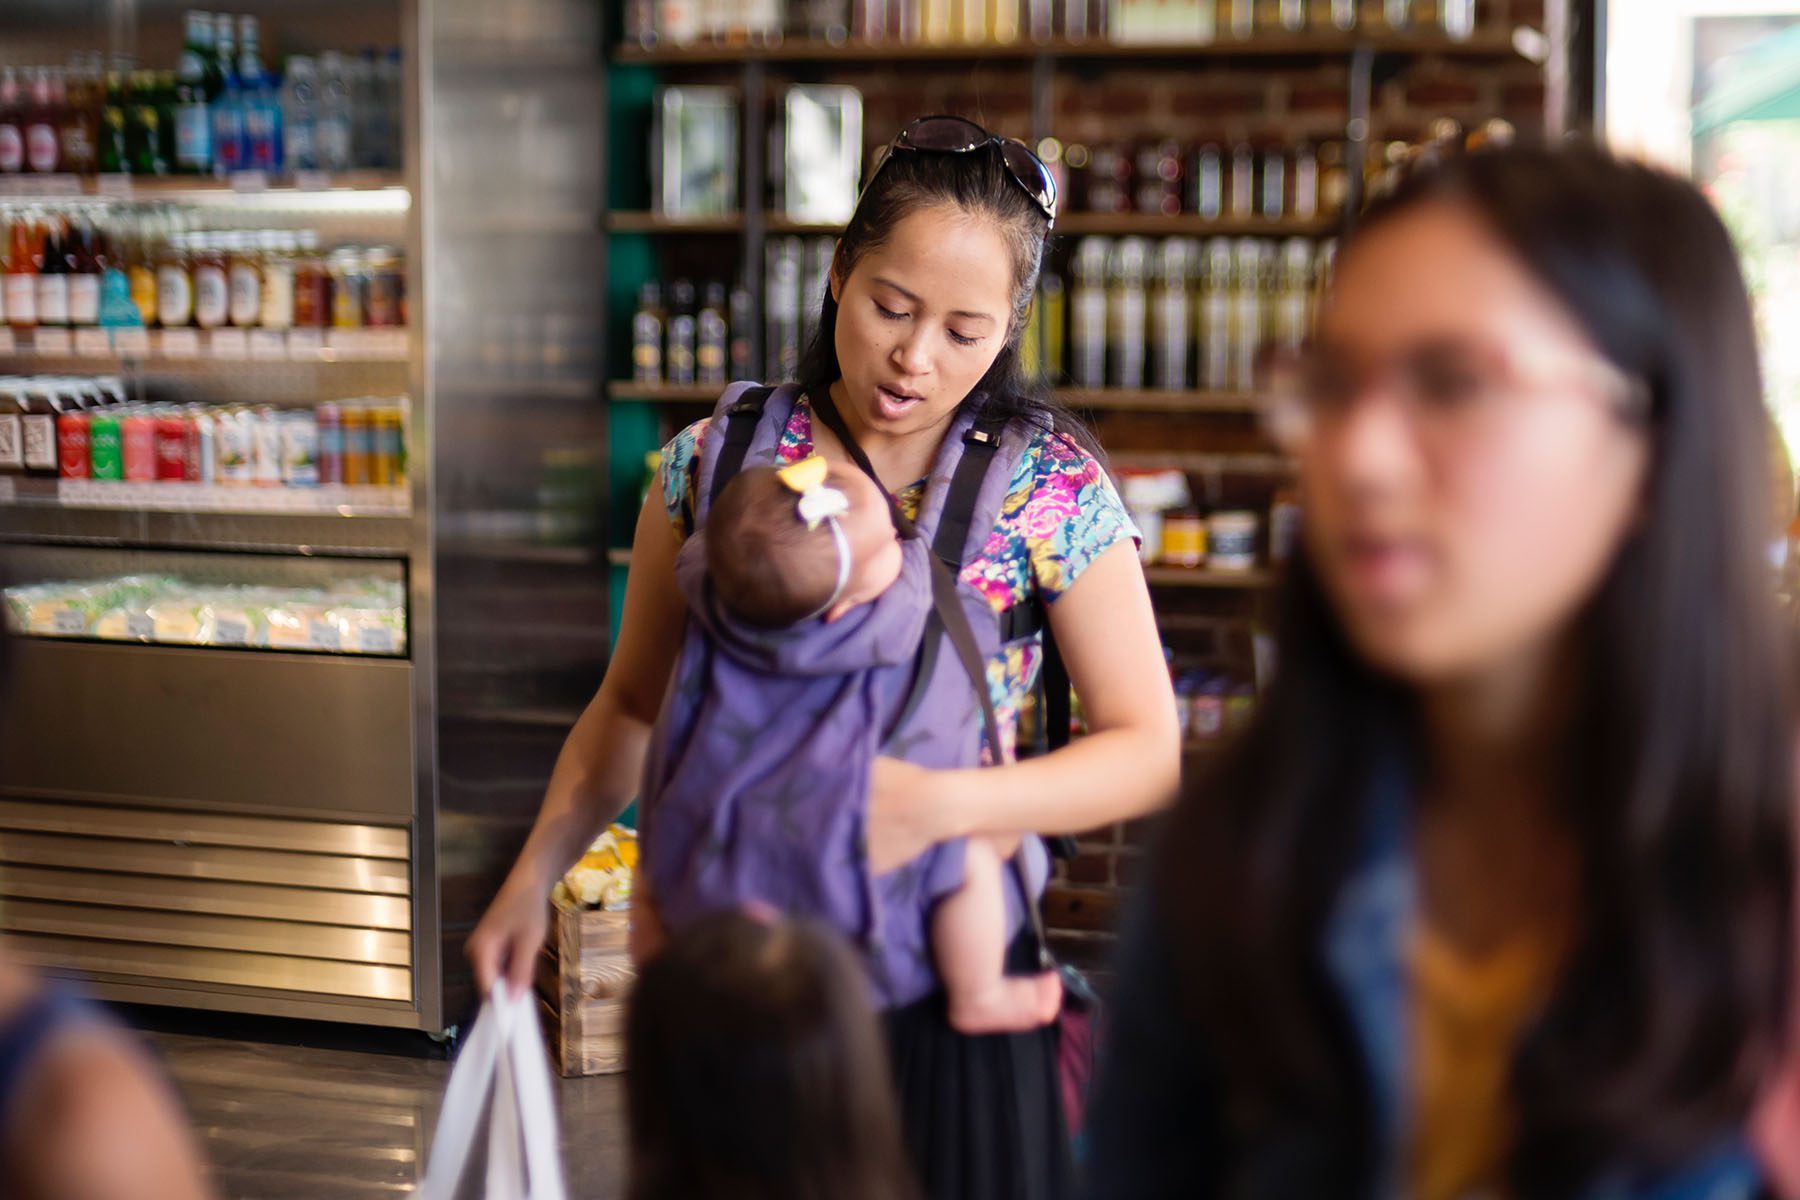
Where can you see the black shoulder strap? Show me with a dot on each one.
(741, 420)
(980, 444)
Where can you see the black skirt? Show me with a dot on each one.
(983, 1115)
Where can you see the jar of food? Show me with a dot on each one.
(348, 283)
(1231, 538)
(1184, 539)
(383, 287)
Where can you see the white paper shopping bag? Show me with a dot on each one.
(504, 1058)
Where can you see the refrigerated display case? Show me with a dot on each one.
(278, 723)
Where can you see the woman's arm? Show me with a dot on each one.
(601, 764)
(1128, 765)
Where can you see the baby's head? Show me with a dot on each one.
(770, 570)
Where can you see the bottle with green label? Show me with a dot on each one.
(198, 83)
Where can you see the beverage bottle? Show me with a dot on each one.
(260, 100)
(226, 109)
(1343, 14)
(741, 327)
(140, 269)
(111, 156)
(1247, 315)
(143, 127)
(681, 352)
(43, 139)
(312, 284)
(53, 276)
(277, 311)
(647, 335)
(21, 274)
(1126, 313)
(38, 435)
(85, 269)
(300, 114)
(1087, 317)
(336, 148)
(1214, 317)
(12, 123)
(198, 84)
(174, 284)
(368, 136)
(212, 288)
(391, 81)
(1243, 181)
(711, 349)
(1169, 317)
(245, 279)
(1398, 13)
(76, 94)
(165, 117)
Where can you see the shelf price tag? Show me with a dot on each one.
(69, 622)
(133, 342)
(180, 343)
(375, 639)
(231, 344)
(305, 343)
(312, 181)
(348, 343)
(249, 181)
(53, 342)
(228, 631)
(324, 635)
(267, 345)
(115, 185)
(93, 343)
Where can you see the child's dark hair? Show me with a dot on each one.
(757, 1071)
(767, 567)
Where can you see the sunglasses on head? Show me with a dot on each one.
(955, 135)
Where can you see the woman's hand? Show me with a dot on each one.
(911, 809)
(505, 944)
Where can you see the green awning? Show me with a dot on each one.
(1762, 84)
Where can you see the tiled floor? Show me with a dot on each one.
(291, 1111)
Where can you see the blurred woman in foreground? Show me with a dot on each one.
(1494, 899)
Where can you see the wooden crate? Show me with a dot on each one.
(585, 983)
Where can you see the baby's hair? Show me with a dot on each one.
(768, 569)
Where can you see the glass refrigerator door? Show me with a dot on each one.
(1712, 88)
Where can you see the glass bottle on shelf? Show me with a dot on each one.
(1293, 299)
(139, 242)
(227, 108)
(21, 272)
(647, 336)
(347, 285)
(111, 157)
(244, 279)
(198, 84)
(1273, 192)
(212, 286)
(1126, 313)
(1243, 181)
(1306, 181)
(143, 127)
(277, 309)
(1208, 197)
(1087, 315)
(1292, 15)
(1457, 18)
(300, 114)
(1169, 316)
(85, 269)
(712, 347)
(78, 107)
(174, 283)
(12, 123)
(1343, 14)
(312, 285)
(53, 275)
(43, 140)
(1397, 13)
(259, 101)
(679, 358)
(1242, 18)
(1247, 313)
(742, 327)
(1214, 316)
(335, 140)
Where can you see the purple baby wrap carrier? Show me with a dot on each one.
(757, 784)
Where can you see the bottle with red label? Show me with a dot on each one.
(73, 453)
(20, 283)
(137, 436)
(12, 123)
(43, 135)
(171, 445)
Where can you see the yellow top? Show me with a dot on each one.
(1468, 1017)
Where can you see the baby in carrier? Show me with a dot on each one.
(813, 542)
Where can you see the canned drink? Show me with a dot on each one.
(202, 463)
(330, 419)
(359, 445)
(236, 451)
(105, 453)
(138, 438)
(385, 465)
(299, 450)
(265, 445)
(171, 446)
(73, 454)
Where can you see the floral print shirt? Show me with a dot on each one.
(1060, 514)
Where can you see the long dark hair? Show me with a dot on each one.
(1677, 782)
(757, 1072)
(977, 182)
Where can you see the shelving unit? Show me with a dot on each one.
(1111, 400)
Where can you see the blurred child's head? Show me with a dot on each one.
(757, 1070)
(772, 571)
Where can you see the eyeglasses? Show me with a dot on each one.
(955, 135)
(1450, 395)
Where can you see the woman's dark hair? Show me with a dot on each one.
(756, 1071)
(977, 182)
(1677, 778)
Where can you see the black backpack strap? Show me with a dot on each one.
(980, 443)
(741, 420)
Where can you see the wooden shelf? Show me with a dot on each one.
(652, 393)
(1208, 577)
(780, 225)
(1327, 43)
(1196, 462)
(649, 222)
(1111, 400)
(1190, 225)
